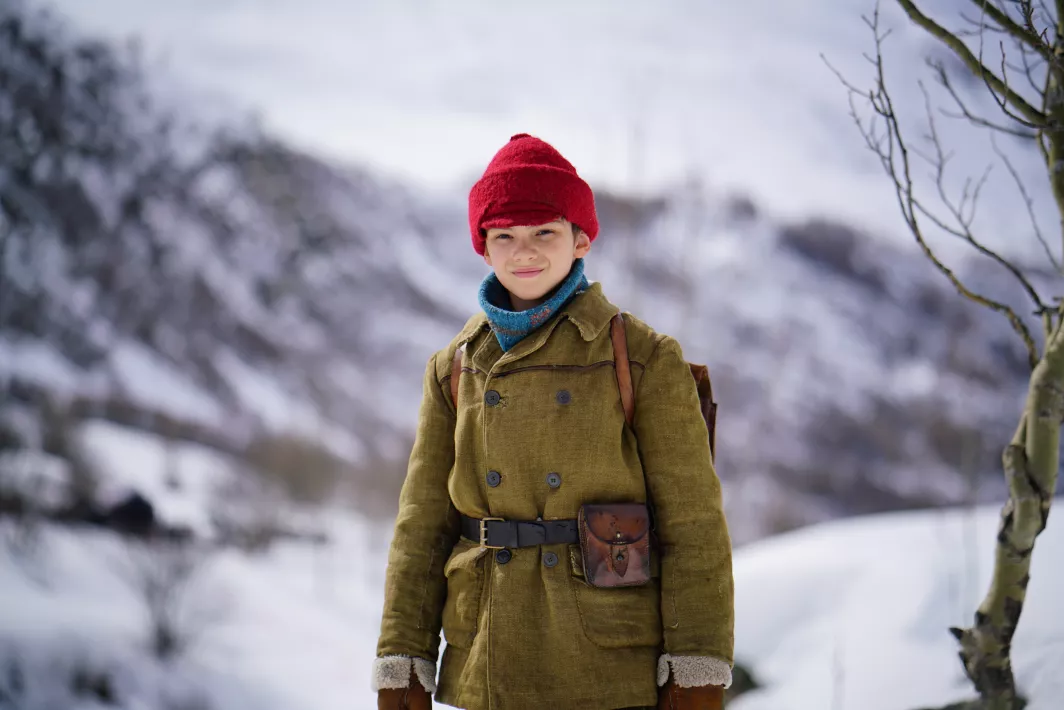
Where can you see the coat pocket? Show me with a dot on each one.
(464, 572)
(617, 617)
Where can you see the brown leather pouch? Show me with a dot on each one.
(615, 544)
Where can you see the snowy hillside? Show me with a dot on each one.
(215, 331)
(640, 95)
(849, 615)
(217, 287)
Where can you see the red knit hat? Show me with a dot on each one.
(529, 182)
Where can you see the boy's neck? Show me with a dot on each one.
(520, 304)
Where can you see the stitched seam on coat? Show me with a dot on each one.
(470, 370)
(480, 579)
(653, 352)
(580, 611)
(443, 398)
(425, 589)
(592, 366)
(483, 580)
(675, 612)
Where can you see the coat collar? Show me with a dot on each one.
(589, 311)
(472, 327)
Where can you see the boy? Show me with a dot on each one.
(492, 542)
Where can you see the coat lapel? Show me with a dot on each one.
(589, 311)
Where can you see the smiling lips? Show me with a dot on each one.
(527, 273)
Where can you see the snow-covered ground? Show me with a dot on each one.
(849, 614)
(854, 614)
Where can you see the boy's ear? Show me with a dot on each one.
(487, 257)
(582, 245)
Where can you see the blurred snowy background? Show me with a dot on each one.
(233, 231)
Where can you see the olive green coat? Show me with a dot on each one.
(522, 634)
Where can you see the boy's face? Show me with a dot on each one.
(531, 261)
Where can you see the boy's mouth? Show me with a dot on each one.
(527, 273)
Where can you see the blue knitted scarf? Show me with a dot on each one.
(512, 326)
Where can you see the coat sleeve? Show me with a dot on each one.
(697, 596)
(425, 532)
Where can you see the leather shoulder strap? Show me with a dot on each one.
(621, 365)
(456, 374)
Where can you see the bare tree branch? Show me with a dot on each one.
(1047, 18)
(894, 156)
(943, 79)
(1029, 69)
(968, 197)
(1001, 101)
(1023, 33)
(1028, 201)
(979, 26)
(1031, 460)
(1034, 117)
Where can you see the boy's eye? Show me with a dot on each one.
(502, 236)
(541, 232)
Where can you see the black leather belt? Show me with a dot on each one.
(497, 533)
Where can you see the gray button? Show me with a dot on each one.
(554, 480)
(491, 398)
(503, 556)
(563, 397)
(494, 478)
(550, 559)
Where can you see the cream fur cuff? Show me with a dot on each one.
(394, 672)
(694, 671)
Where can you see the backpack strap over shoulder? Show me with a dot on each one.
(706, 402)
(620, 363)
(456, 374)
(700, 374)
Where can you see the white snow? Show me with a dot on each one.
(145, 377)
(287, 630)
(38, 362)
(854, 613)
(180, 480)
(281, 411)
(844, 615)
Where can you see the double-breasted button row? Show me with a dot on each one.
(550, 559)
(491, 397)
(494, 478)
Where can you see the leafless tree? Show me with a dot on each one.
(166, 575)
(1025, 78)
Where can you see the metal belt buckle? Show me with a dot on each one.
(484, 533)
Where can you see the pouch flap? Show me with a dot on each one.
(616, 523)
